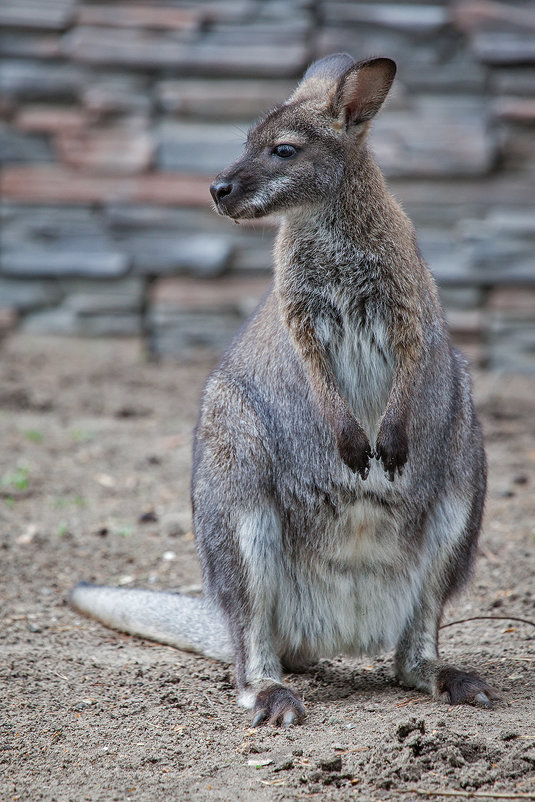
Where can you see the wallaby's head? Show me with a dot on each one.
(297, 154)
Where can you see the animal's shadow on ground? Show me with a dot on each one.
(328, 681)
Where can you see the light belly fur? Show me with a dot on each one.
(354, 599)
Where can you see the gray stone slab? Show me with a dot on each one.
(221, 100)
(59, 262)
(463, 298)
(38, 80)
(505, 47)
(27, 294)
(117, 93)
(17, 148)
(135, 218)
(91, 297)
(516, 81)
(118, 324)
(29, 45)
(172, 334)
(156, 254)
(196, 147)
(62, 320)
(428, 19)
(510, 346)
(51, 321)
(141, 49)
(54, 15)
(437, 137)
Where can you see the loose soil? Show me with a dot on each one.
(94, 484)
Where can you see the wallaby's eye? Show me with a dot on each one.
(284, 151)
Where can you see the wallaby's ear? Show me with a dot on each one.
(322, 75)
(331, 67)
(362, 90)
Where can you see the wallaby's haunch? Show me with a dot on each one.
(339, 471)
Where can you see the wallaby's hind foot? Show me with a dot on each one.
(446, 683)
(457, 687)
(277, 704)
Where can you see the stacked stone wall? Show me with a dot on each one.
(115, 116)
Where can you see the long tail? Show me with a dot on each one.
(185, 622)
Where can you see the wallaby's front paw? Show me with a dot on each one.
(458, 687)
(278, 705)
(354, 446)
(392, 447)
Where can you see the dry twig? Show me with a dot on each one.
(489, 618)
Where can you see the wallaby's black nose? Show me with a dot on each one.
(220, 189)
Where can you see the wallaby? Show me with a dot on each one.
(338, 467)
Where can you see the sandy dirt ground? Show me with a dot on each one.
(94, 484)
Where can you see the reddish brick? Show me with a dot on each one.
(474, 15)
(117, 150)
(513, 301)
(515, 109)
(36, 184)
(8, 319)
(194, 295)
(140, 16)
(50, 119)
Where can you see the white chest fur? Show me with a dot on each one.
(362, 362)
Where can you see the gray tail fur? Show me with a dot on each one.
(185, 622)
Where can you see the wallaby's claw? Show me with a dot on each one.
(392, 448)
(260, 717)
(288, 718)
(278, 705)
(482, 699)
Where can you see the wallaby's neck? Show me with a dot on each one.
(363, 216)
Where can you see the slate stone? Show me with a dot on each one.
(409, 145)
(58, 262)
(62, 320)
(179, 334)
(157, 254)
(127, 217)
(29, 45)
(37, 14)
(37, 80)
(461, 298)
(51, 321)
(206, 57)
(428, 18)
(27, 294)
(111, 94)
(510, 346)
(499, 48)
(142, 16)
(17, 148)
(197, 147)
(516, 81)
(91, 297)
(221, 100)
